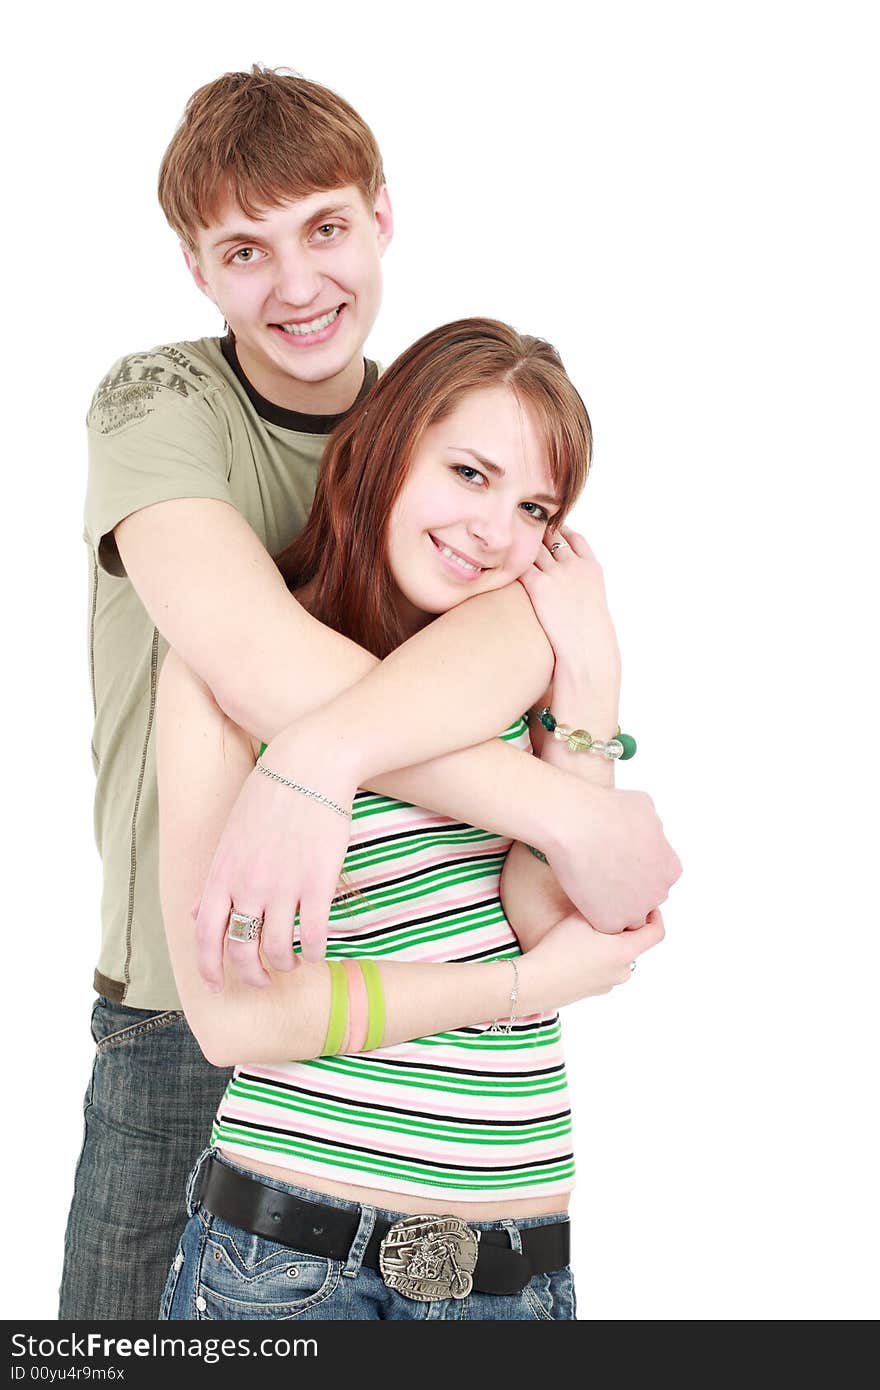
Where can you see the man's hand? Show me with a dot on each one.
(616, 882)
(281, 851)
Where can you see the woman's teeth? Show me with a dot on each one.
(463, 564)
(299, 330)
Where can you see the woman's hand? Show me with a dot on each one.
(575, 962)
(567, 591)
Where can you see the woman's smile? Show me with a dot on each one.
(459, 565)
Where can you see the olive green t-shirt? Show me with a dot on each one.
(178, 421)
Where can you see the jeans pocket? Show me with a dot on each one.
(115, 1024)
(550, 1297)
(243, 1276)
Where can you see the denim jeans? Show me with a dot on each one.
(148, 1113)
(220, 1272)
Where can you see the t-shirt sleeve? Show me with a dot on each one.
(154, 435)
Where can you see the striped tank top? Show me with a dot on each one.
(465, 1114)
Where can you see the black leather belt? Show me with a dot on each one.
(424, 1257)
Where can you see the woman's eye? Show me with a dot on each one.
(535, 510)
(470, 475)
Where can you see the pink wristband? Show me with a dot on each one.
(358, 1007)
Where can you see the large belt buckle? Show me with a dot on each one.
(427, 1257)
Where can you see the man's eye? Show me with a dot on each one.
(244, 255)
(327, 230)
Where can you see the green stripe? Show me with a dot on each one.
(437, 1175)
(432, 881)
(442, 1128)
(524, 1086)
(367, 855)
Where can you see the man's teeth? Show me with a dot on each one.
(299, 330)
(451, 555)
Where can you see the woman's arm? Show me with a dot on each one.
(202, 760)
(567, 592)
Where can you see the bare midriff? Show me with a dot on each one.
(406, 1201)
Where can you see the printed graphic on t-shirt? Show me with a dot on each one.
(129, 392)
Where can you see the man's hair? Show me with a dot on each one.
(262, 138)
(344, 546)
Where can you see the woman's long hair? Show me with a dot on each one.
(344, 547)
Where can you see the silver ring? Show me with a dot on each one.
(243, 928)
(632, 966)
(558, 545)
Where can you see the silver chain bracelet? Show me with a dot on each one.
(303, 791)
(496, 1026)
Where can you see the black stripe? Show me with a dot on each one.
(450, 915)
(393, 836)
(346, 1102)
(400, 1158)
(423, 871)
(452, 1071)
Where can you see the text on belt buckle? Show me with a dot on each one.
(427, 1257)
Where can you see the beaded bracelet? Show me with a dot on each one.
(622, 746)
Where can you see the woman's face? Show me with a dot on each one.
(474, 508)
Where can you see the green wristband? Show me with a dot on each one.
(375, 1004)
(338, 1009)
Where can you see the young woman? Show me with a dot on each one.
(397, 1152)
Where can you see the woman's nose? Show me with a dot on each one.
(491, 528)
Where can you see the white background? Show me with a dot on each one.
(682, 197)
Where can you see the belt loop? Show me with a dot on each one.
(359, 1244)
(513, 1232)
(194, 1186)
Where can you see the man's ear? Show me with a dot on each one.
(192, 265)
(384, 219)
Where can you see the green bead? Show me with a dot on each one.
(547, 720)
(629, 746)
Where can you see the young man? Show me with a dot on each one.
(203, 458)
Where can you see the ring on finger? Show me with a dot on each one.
(558, 545)
(243, 927)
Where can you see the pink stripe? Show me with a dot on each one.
(379, 874)
(441, 1104)
(439, 1150)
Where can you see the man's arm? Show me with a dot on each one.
(202, 761)
(217, 597)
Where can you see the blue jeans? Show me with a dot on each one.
(148, 1112)
(220, 1272)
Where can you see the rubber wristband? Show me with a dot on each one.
(376, 1003)
(358, 1008)
(338, 1009)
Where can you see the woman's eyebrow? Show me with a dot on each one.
(499, 471)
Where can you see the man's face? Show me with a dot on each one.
(300, 287)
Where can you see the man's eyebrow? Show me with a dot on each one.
(322, 215)
(234, 236)
(336, 210)
(499, 471)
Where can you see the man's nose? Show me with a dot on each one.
(298, 281)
